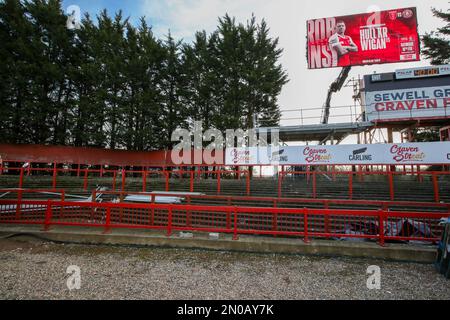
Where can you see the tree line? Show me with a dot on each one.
(111, 84)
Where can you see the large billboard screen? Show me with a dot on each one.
(372, 38)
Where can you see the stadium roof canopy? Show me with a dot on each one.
(318, 132)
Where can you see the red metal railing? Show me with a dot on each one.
(280, 202)
(244, 201)
(194, 173)
(380, 225)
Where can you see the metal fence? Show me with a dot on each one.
(119, 179)
(305, 223)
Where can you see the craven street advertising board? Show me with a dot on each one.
(382, 154)
(372, 38)
(426, 102)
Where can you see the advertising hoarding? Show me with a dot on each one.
(376, 154)
(423, 72)
(414, 103)
(372, 38)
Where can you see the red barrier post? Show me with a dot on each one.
(188, 213)
(235, 233)
(169, 225)
(229, 214)
(152, 217)
(305, 225)
(167, 180)
(108, 221)
(94, 200)
(436, 188)
(48, 216)
(191, 184)
(101, 171)
(21, 179)
(19, 204)
(327, 217)
(275, 218)
(144, 181)
(55, 172)
(63, 198)
(121, 198)
(124, 176)
(381, 215)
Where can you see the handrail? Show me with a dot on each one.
(224, 219)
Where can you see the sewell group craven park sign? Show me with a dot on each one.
(418, 93)
(426, 153)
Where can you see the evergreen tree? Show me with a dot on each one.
(112, 66)
(87, 113)
(111, 84)
(174, 113)
(143, 105)
(437, 43)
(201, 81)
(18, 60)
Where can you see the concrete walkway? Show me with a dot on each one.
(256, 244)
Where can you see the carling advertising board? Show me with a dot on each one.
(383, 154)
(363, 39)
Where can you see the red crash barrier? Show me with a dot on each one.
(219, 173)
(379, 225)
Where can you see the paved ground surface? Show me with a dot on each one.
(32, 269)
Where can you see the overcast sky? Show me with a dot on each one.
(287, 21)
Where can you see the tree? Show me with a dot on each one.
(145, 57)
(174, 112)
(437, 43)
(201, 79)
(112, 84)
(17, 65)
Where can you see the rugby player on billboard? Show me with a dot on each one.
(341, 46)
